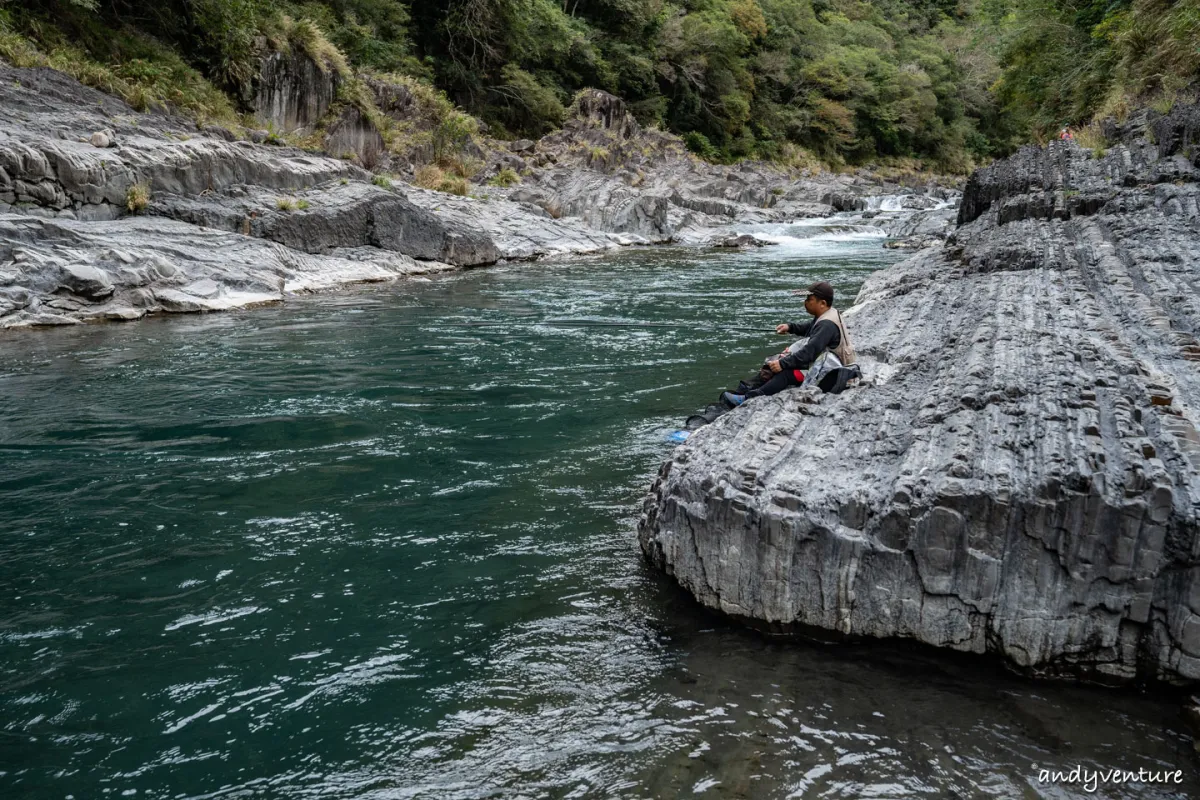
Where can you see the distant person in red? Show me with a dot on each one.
(1065, 134)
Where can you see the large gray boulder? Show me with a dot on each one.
(422, 234)
(1019, 474)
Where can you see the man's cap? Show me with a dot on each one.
(820, 289)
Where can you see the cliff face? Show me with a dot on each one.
(1020, 471)
(292, 91)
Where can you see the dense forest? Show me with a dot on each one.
(947, 83)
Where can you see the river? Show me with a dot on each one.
(381, 543)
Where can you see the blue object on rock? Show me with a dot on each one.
(679, 436)
(733, 399)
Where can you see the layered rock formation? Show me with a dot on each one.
(1019, 473)
(62, 271)
(622, 178)
(175, 198)
(106, 213)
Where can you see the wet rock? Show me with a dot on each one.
(124, 314)
(841, 201)
(41, 320)
(741, 241)
(917, 202)
(913, 243)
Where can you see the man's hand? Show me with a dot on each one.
(774, 366)
(783, 328)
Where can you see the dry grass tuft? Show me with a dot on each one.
(288, 34)
(137, 197)
(429, 176)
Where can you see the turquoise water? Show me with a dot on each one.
(381, 543)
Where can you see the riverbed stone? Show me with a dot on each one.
(126, 269)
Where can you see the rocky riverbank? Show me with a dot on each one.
(1019, 473)
(108, 213)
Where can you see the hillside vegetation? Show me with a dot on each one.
(1069, 62)
(937, 83)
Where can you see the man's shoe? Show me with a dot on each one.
(734, 400)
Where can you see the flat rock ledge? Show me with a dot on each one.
(1019, 474)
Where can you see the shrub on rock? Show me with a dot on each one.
(137, 197)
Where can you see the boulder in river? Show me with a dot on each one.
(1019, 473)
(740, 241)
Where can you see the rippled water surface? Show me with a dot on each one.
(381, 543)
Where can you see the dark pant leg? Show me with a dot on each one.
(776, 385)
(761, 377)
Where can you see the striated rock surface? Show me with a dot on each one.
(220, 223)
(352, 134)
(607, 171)
(83, 176)
(330, 217)
(292, 91)
(1019, 473)
(58, 271)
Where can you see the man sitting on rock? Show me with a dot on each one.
(826, 336)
